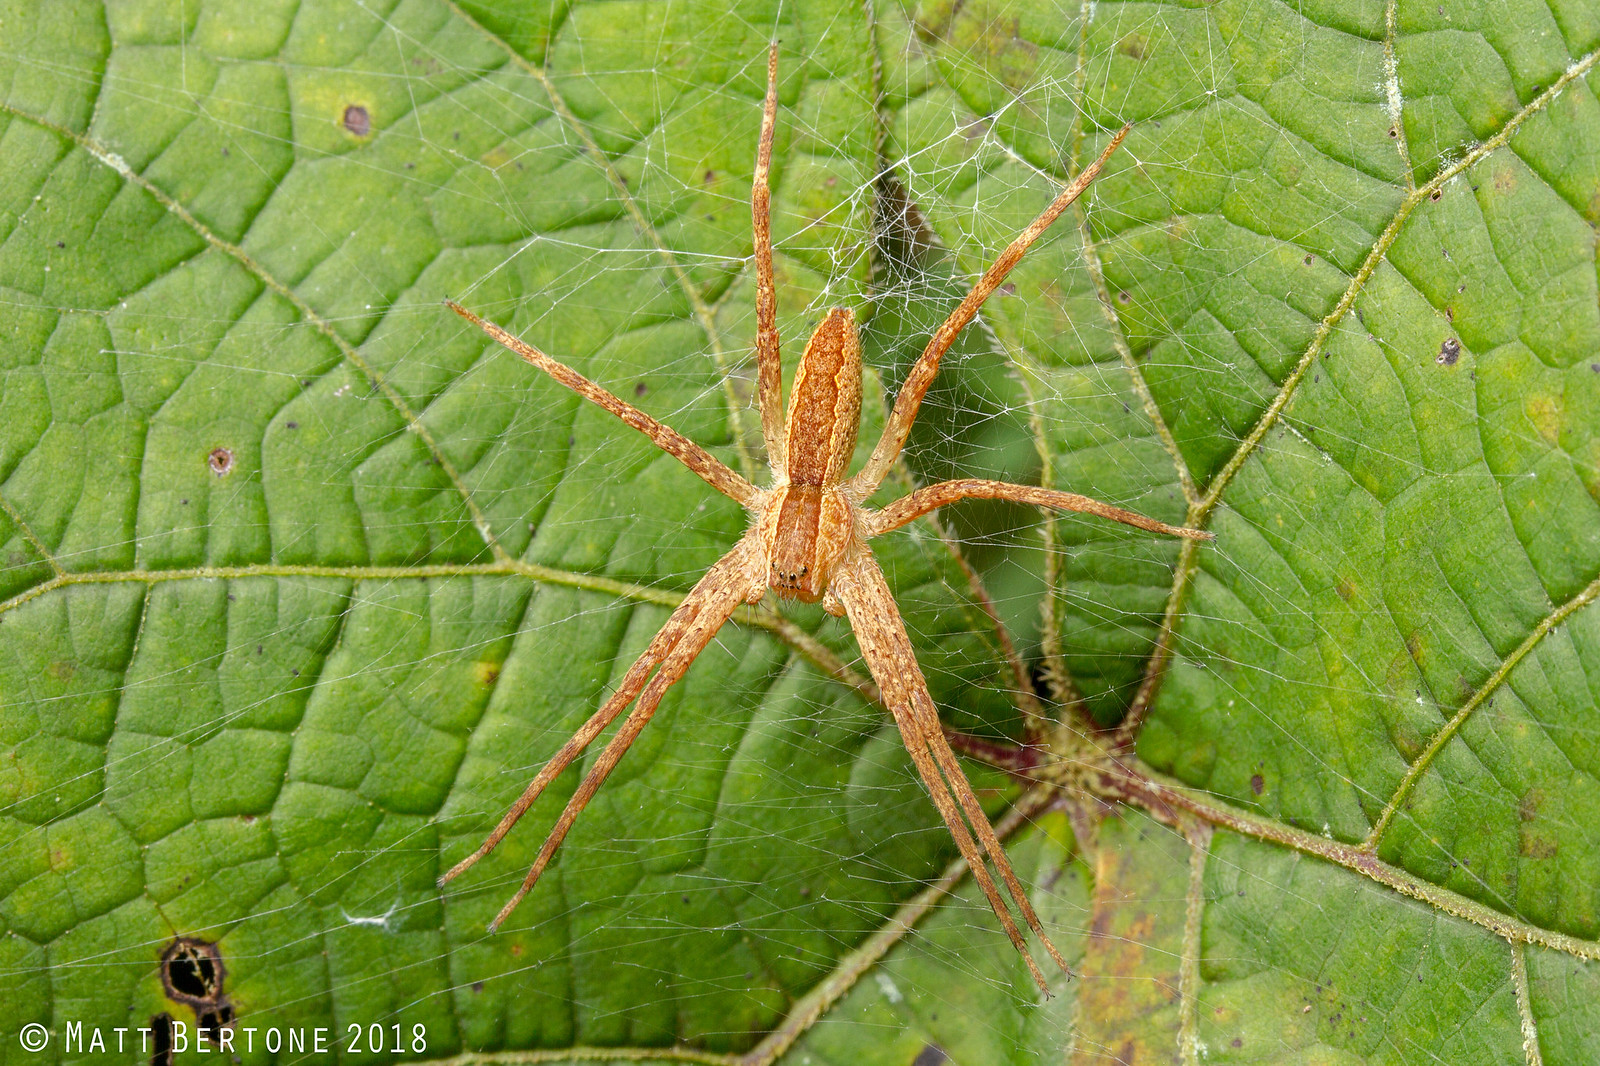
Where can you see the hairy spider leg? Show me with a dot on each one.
(932, 497)
(962, 788)
(861, 587)
(725, 586)
(679, 642)
(909, 399)
(708, 467)
(666, 640)
(769, 364)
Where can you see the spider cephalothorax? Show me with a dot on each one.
(808, 540)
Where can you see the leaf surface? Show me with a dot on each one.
(302, 579)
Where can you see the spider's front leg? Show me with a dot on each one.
(861, 589)
(932, 497)
(687, 632)
(769, 368)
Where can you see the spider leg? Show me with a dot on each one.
(986, 835)
(860, 586)
(909, 399)
(632, 682)
(932, 497)
(768, 364)
(711, 469)
(674, 647)
(696, 621)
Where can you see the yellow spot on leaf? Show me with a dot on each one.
(1546, 414)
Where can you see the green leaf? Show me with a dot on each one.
(302, 579)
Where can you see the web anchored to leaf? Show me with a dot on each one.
(303, 582)
(807, 542)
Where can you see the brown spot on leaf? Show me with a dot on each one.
(1537, 841)
(1258, 784)
(1538, 847)
(357, 121)
(1449, 352)
(221, 461)
(930, 1055)
(1414, 647)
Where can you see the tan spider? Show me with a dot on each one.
(808, 540)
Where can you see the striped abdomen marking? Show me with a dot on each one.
(825, 403)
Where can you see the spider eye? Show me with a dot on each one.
(802, 569)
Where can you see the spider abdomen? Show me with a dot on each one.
(825, 403)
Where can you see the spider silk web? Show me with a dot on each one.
(306, 579)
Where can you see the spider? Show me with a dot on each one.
(807, 540)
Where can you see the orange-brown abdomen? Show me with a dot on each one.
(825, 403)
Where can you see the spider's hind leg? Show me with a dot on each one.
(991, 843)
(887, 649)
(921, 746)
(684, 636)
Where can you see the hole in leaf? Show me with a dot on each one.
(212, 1022)
(161, 1040)
(192, 971)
